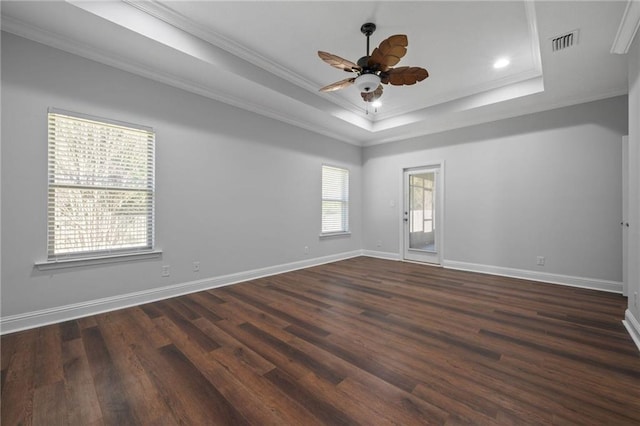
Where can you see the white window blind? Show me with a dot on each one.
(335, 200)
(101, 187)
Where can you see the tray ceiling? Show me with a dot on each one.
(262, 56)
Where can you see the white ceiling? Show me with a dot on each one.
(262, 55)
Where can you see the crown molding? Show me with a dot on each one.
(48, 38)
(532, 21)
(496, 116)
(462, 92)
(176, 19)
(628, 28)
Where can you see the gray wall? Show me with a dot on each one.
(238, 192)
(235, 191)
(546, 184)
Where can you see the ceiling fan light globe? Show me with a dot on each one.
(367, 83)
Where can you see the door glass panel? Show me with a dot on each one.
(421, 211)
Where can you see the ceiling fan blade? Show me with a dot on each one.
(402, 76)
(338, 85)
(338, 62)
(372, 96)
(389, 52)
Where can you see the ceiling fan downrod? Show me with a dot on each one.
(367, 29)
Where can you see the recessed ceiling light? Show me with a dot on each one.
(501, 63)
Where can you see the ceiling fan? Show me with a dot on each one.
(375, 69)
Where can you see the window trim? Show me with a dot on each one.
(325, 235)
(84, 258)
(74, 262)
(347, 230)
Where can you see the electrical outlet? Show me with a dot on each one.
(196, 266)
(306, 249)
(379, 243)
(165, 271)
(540, 260)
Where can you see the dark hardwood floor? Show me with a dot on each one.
(362, 341)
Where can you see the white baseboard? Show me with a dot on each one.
(633, 327)
(381, 255)
(590, 283)
(14, 323)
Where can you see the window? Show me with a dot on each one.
(422, 211)
(335, 200)
(101, 187)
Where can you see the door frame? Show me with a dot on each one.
(440, 202)
(626, 266)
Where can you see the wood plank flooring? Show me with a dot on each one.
(361, 341)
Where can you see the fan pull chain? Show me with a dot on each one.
(366, 108)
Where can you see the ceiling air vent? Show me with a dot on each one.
(564, 41)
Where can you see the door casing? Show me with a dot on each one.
(440, 218)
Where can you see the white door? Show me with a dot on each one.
(422, 214)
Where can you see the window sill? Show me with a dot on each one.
(335, 234)
(98, 260)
